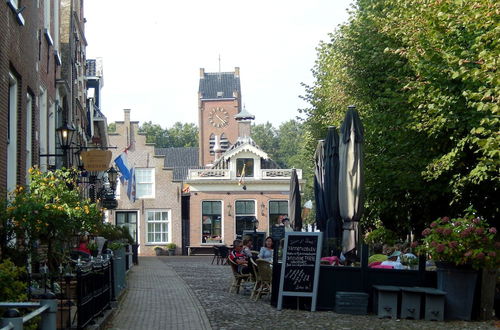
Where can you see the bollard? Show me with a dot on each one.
(12, 316)
(49, 317)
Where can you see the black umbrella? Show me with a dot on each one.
(319, 184)
(334, 223)
(295, 202)
(351, 178)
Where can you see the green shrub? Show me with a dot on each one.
(382, 236)
(12, 288)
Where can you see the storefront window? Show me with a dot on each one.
(211, 222)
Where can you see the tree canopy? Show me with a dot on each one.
(179, 135)
(427, 91)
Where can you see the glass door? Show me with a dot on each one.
(129, 220)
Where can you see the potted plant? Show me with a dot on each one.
(171, 249)
(460, 247)
(158, 250)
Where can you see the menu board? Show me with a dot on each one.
(277, 232)
(300, 267)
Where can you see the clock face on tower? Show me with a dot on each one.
(218, 117)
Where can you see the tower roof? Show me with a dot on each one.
(219, 85)
(244, 114)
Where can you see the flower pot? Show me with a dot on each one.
(171, 252)
(158, 252)
(459, 283)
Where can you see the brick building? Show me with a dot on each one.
(42, 86)
(154, 219)
(237, 183)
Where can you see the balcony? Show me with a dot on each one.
(225, 174)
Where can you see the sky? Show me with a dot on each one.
(152, 52)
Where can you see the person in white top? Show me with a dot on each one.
(393, 260)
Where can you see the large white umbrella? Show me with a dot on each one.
(351, 179)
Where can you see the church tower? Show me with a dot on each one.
(219, 101)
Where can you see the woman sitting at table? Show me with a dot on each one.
(266, 252)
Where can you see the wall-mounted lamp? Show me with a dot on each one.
(262, 209)
(112, 176)
(229, 206)
(65, 135)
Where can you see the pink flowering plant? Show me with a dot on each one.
(468, 240)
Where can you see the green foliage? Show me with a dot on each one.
(115, 245)
(12, 288)
(381, 236)
(427, 92)
(171, 246)
(112, 128)
(179, 135)
(51, 210)
(110, 232)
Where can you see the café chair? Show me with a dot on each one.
(266, 277)
(238, 278)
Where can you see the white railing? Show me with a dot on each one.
(209, 174)
(273, 174)
(218, 174)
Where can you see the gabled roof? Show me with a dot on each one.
(180, 160)
(246, 144)
(219, 85)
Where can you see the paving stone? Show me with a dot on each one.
(191, 293)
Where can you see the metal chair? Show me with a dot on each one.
(223, 254)
(216, 255)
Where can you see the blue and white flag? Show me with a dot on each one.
(122, 164)
(131, 189)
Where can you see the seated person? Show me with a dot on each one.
(247, 247)
(239, 258)
(286, 223)
(378, 254)
(393, 261)
(83, 245)
(266, 252)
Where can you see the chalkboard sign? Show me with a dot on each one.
(277, 233)
(300, 268)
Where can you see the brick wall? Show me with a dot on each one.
(228, 215)
(231, 131)
(167, 193)
(18, 54)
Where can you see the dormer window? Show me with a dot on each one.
(244, 167)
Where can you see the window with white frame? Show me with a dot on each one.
(158, 223)
(245, 216)
(12, 133)
(211, 222)
(278, 210)
(145, 182)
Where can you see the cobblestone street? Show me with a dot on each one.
(170, 302)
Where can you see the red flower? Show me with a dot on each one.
(493, 230)
(446, 231)
(440, 248)
(479, 231)
(445, 219)
(492, 254)
(476, 220)
(434, 244)
(453, 244)
(439, 230)
(468, 253)
(426, 232)
(480, 255)
(434, 224)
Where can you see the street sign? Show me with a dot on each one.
(96, 160)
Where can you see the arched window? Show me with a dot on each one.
(211, 143)
(224, 142)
